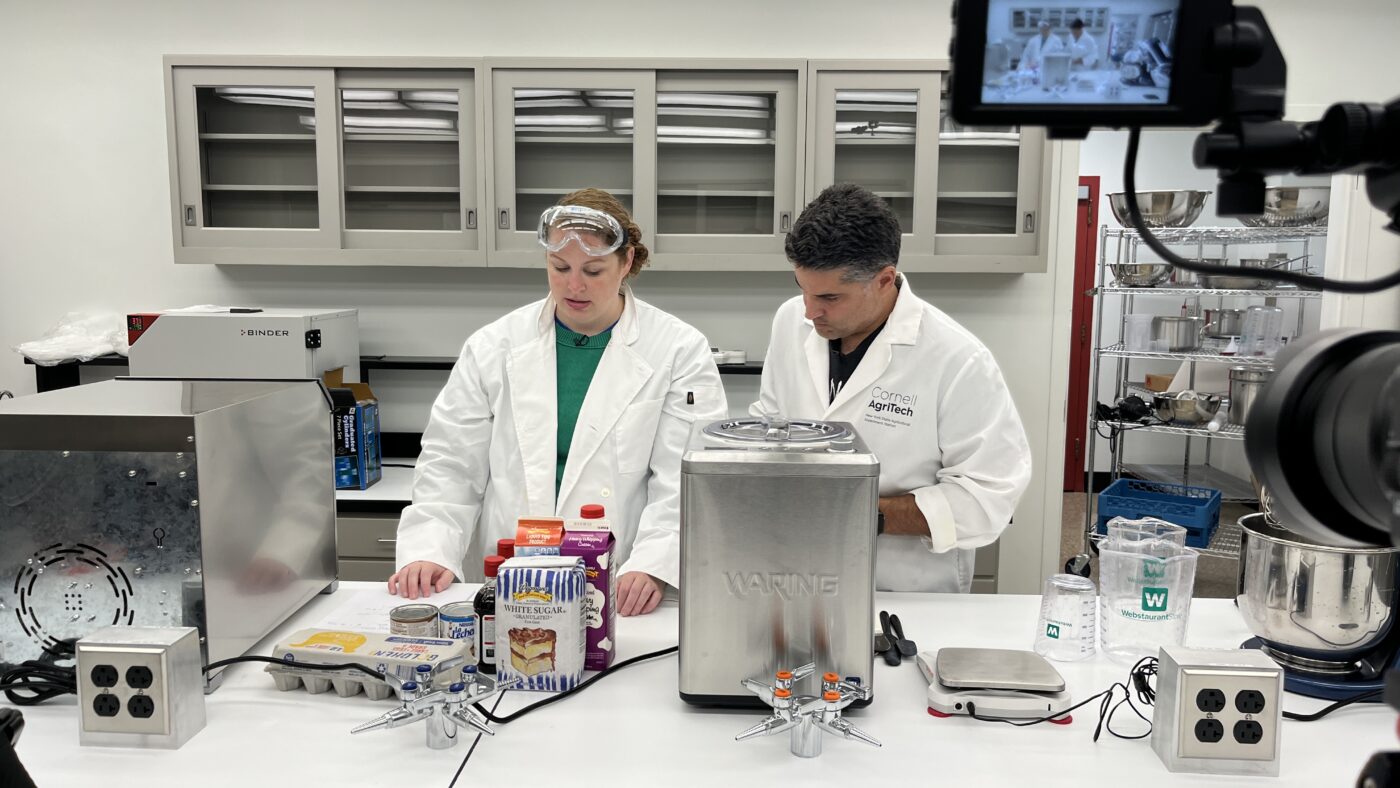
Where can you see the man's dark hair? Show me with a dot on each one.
(848, 227)
(1077, 24)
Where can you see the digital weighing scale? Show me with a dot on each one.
(1000, 683)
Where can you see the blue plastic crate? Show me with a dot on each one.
(1197, 509)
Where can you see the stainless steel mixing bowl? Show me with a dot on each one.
(1140, 274)
(1160, 209)
(1292, 206)
(1313, 600)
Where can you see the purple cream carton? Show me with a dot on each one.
(589, 537)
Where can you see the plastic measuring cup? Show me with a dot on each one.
(1146, 599)
(1137, 332)
(1067, 629)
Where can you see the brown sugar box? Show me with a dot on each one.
(589, 537)
(540, 610)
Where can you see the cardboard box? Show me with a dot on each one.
(1158, 382)
(538, 535)
(592, 541)
(540, 611)
(355, 433)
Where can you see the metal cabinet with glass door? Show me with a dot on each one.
(728, 167)
(409, 163)
(255, 160)
(559, 130)
(990, 195)
(879, 130)
(303, 164)
(967, 200)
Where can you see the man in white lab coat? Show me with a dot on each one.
(927, 397)
(1083, 49)
(1040, 45)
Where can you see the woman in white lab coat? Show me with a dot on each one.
(1040, 45)
(587, 396)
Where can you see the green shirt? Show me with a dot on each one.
(576, 358)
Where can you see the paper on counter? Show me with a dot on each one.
(367, 609)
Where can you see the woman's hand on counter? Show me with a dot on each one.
(421, 578)
(638, 593)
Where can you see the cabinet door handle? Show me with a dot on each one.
(1029, 223)
(386, 541)
(784, 221)
(504, 221)
(471, 218)
(189, 216)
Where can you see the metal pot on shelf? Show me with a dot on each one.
(1245, 385)
(1190, 407)
(1224, 322)
(1180, 334)
(1184, 278)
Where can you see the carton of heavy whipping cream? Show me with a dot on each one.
(589, 537)
(538, 535)
(540, 609)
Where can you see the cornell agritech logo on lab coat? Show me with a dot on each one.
(890, 408)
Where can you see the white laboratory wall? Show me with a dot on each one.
(84, 212)
(1363, 249)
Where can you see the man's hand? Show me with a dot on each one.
(420, 578)
(902, 516)
(638, 593)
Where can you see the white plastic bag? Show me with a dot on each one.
(77, 337)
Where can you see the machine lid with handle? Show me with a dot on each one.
(771, 429)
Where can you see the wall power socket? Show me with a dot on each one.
(140, 687)
(1218, 712)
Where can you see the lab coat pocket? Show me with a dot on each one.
(635, 435)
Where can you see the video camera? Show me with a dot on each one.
(1177, 64)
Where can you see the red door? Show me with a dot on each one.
(1085, 249)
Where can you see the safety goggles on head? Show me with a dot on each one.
(596, 232)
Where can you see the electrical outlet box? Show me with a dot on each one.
(1218, 712)
(140, 687)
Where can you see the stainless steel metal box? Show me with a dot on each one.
(162, 503)
(777, 555)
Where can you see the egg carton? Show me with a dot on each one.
(396, 656)
(289, 679)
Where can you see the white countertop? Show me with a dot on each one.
(395, 484)
(631, 727)
(1083, 89)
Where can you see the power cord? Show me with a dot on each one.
(1302, 280)
(34, 681)
(1341, 704)
(1140, 676)
(275, 661)
(490, 717)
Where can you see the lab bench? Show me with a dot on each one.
(631, 728)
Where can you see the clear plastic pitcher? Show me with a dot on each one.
(1138, 536)
(1144, 597)
(1066, 630)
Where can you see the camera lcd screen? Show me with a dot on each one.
(1117, 53)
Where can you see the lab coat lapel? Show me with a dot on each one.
(901, 328)
(531, 373)
(621, 374)
(876, 361)
(818, 367)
